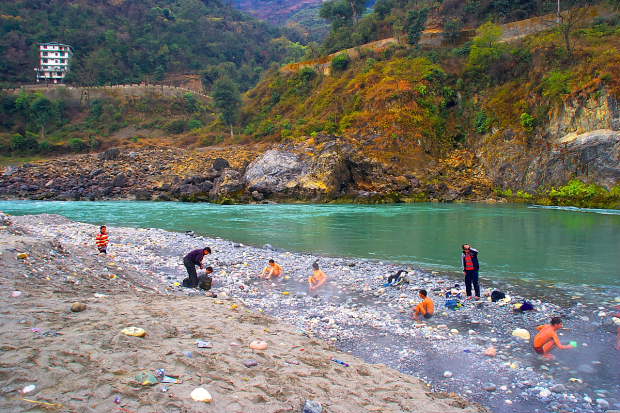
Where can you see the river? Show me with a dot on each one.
(567, 246)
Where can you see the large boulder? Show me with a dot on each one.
(228, 184)
(110, 155)
(274, 171)
(288, 174)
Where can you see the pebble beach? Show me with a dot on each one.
(354, 318)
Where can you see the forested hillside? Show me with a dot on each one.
(123, 41)
(353, 25)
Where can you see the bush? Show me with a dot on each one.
(21, 143)
(176, 126)
(194, 124)
(307, 74)
(77, 145)
(341, 62)
(557, 83)
(528, 122)
(482, 123)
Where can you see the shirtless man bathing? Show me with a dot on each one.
(547, 338)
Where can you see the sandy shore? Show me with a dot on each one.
(81, 362)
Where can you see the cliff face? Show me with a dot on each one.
(580, 141)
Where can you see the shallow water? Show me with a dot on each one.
(567, 245)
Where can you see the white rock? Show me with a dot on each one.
(521, 333)
(29, 388)
(454, 331)
(200, 394)
(544, 393)
(447, 374)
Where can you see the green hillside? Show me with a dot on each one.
(122, 41)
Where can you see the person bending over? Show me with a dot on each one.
(273, 269)
(396, 279)
(426, 308)
(318, 277)
(470, 269)
(547, 338)
(101, 240)
(192, 260)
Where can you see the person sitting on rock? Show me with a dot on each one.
(547, 338)
(191, 260)
(426, 308)
(102, 240)
(273, 269)
(318, 277)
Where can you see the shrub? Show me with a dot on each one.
(528, 122)
(176, 126)
(341, 62)
(482, 123)
(194, 124)
(557, 83)
(77, 145)
(307, 74)
(21, 143)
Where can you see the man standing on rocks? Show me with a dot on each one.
(191, 260)
(102, 240)
(470, 269)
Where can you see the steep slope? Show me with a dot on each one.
(120, 41)
(520, 118)
(275, 11)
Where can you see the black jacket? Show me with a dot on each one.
(474, 259)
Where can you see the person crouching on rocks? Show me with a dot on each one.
(470, 269)
(547, 338)
(318, 277)
(102, 240)
(426, 308)
(191, 260)
(205, 281)
(273, 269)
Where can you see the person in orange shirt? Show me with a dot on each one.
(101, 240)
(547, 338)
(273, 269)
(426, 308)
(318, 277)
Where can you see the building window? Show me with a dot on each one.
(44, 60)
(44, 53)
(59, 73)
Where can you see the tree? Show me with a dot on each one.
(227, 100)
(485, 48)
(416, 22)
(452, 29)
(569, 20)
(42, 111)
(338, 12)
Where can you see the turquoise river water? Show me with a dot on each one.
(568, 246)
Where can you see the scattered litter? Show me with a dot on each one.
(146, 379)
(43, 403)
(447, 374)
(99, 295)
(311, 406)
(134, 331)
(22, 256)
(117, 400)
(188, 354)
(250, 363)
(28, 388)
(204, 344)
(344, 363)
(258, 345)
(16, 294)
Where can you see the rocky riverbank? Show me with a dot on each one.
(356, 313)
(57, 359)
(322, 169)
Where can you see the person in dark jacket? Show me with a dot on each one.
(470, 269)
(192, 260)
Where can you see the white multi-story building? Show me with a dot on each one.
(54, 59)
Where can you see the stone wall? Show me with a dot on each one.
(84, 94)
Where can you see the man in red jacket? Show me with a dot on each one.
(470, 269)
